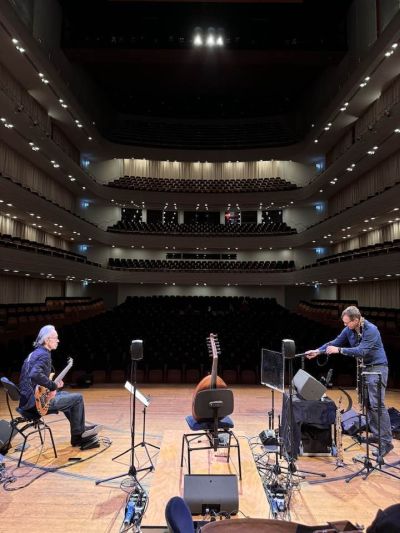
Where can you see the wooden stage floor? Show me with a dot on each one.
(60, 495)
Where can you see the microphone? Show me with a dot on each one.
(136, 350)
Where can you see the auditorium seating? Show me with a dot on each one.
(270, 228)
(203, 265)
(216, 186)
(26, 245)
(174, 331)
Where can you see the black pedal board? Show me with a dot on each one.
(92, 443)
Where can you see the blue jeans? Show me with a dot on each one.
(371, 381)
(71, 404)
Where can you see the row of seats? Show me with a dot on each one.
(203, 185)
(182, 265)
(328, 312)
(365, 251)
(47, 199)
(24, 319)
(358, 202)
(174, 331)
(202, 228)
(44, 249)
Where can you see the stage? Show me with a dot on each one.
(61, 494)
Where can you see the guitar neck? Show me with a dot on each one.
(63, 372)
(214, 369)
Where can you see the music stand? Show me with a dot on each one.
(273, 377)
(145, 401)
(136, 351)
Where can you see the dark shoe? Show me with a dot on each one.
(90, 431)
(371, 440)
(82, 441)
(387, 448)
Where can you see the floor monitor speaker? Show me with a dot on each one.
(204, 493)
(308, 387)
(5, 432)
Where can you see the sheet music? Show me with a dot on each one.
(139, 396)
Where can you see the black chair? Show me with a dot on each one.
(213, 407)
(28, 423)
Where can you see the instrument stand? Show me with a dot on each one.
(133, 471)
(368, 467)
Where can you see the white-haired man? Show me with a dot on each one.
(36, 370)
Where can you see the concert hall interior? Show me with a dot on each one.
(200, 195)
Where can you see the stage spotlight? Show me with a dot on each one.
(198, 36)
(220, 41)
(211, 38)
(198, 41)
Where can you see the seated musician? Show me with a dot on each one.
(36, 370)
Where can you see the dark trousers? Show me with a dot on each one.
(71, 404)
(371, 381)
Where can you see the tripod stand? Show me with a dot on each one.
(136, 354)
(368, 467)
(146, 402)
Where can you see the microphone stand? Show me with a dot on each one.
(368, 467)
(132, 471)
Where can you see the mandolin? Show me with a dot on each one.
(42, 399)
(212, 381)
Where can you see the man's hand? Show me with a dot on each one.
(332, 349)
(310, 354)
(60, 384)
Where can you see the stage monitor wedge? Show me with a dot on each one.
(204, 493)
(308, 387)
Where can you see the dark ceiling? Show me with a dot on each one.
(140, 54)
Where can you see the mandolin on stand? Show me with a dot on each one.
(212, 381)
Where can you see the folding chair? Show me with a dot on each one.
(28, 423)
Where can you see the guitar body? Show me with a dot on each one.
(212, 381)
(42, 399)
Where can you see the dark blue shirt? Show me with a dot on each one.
(367, 345)
(35, 371)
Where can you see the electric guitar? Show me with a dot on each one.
(42, 394)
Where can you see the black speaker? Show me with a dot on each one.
(308, 387)
(137, 350)
(5, 433)
(315, 440)
(204, 493)
(352, 422)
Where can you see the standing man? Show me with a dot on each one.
(36, 370)
(360, 338)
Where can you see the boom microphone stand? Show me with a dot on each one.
(136, 351)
